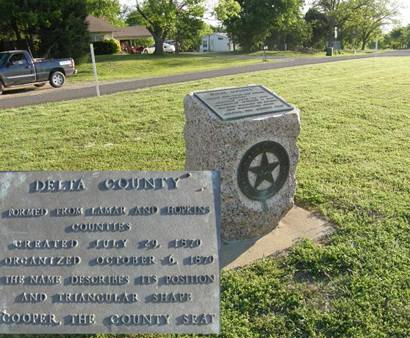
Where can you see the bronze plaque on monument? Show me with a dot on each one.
(117, 252)
(238, 103)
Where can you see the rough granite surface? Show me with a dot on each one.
(213, 144)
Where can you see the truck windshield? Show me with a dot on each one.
(3, 57)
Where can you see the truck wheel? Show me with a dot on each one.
(39, 85)
(57, 79)
(1, 88)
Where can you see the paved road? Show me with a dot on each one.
(24, 97)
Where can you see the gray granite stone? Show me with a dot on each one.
(216, 144)
(93, 252)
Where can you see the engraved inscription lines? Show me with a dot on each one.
(122, 266)
(237, 103)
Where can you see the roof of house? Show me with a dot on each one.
(218, 34)
(132, 32)
(99, 25)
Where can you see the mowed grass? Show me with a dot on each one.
(315, 53)
(117, 67)
(123, 67)
(354, 169)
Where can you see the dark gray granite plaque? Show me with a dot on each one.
(237, 103)
(118, 252)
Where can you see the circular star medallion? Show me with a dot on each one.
(263, 170)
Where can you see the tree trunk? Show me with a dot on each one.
(31, 41)
(232, 39)
(177, 44)
(364, 42)
(366, 38)
(17, 33)
(159, 45)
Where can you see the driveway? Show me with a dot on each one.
(28, 96)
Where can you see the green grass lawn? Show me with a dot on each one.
(314, 53)
(117, 67)
(122, 67)
(354, 169)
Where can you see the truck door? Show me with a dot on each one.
(19, 70)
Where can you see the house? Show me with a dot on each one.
(131, 33)
(128, 35)
(216, 42)
(100, 29)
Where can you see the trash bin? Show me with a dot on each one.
(329, 51)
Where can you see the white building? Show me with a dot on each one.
(216, 42)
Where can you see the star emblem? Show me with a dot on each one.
(264, 171)
(272, 170)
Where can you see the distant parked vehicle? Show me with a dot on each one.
(132, 49)
(149, 50)
(137, 50)
(168, 48)
(17, 67)
(171, 42)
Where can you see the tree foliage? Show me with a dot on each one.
(279, 23)
(228, 13)
(106, 47)
(251, 22)
(54, 28)
(398, 38)
(289, 30)
(369, 19)
(320, 27)
(110, 9)
(358, 21)
(189, 29)
(167, 18)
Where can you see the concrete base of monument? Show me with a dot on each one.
(296, 225)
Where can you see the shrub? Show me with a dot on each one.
(111, 46)
(144, 42)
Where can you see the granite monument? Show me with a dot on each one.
(249, 134)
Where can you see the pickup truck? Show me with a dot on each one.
(17, 68)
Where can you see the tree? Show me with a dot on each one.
(337, 12)
(227, 12)
(63, 31)
(356, 19)
(48, 27)
(370, 18)
(17, 22)
(189, 25)
(188, 32)
(253, 21)
(290, 35)
(398, 38)
(320, 27)
(163, 17)
(110, 9)
(289, 29)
